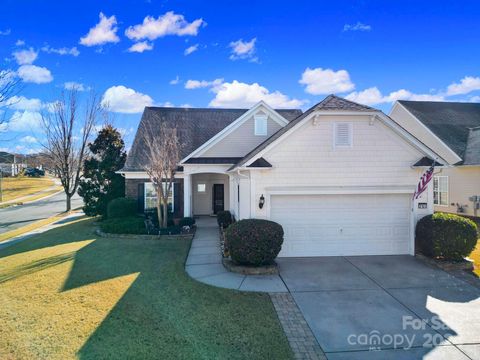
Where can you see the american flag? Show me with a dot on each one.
(424, 180)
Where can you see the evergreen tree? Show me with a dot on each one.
(100, 184)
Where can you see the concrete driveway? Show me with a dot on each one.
(395, 305)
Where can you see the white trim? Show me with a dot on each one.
(438, 177)
(385, 119)
(445, 146)
(235, 125)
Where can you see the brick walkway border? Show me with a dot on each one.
(301, 339)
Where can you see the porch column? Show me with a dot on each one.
(187, 195)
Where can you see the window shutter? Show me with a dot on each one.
(176, 198)
(141, 197)
(343, 134)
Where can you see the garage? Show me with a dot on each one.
(342, 225)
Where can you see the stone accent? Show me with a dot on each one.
(146, 237)
(301, 339)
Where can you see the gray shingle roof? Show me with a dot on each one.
(330, 103)
(195, 126)
(451, 122)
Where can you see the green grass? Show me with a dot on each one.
(66, 294)
(475, 255)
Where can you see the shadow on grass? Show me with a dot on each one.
(164, 314)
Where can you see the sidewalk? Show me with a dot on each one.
(204, 263)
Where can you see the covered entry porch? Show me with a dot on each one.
(206, 193)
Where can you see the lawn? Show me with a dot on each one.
(68, 294)
(16, 187)
(475, 255)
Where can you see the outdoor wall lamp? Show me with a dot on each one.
(261, 202)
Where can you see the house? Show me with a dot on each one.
(339, 177)
(9, 165)
(452, 129)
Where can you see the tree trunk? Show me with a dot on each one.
(165, 214)
(159, 212)
(69, 202)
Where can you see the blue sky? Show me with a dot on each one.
(233, 54)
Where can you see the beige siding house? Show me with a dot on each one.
(453, 131)
(339, 177)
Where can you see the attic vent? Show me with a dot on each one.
(261, 125)
(343, 134)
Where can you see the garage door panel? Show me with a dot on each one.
(330, 225)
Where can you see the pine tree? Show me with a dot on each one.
(100, 183)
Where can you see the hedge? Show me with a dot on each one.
(121, 207)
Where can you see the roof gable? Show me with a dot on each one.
(449, 121)
(195, 127)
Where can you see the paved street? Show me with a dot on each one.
(17, 216)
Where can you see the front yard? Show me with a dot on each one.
(67, 293)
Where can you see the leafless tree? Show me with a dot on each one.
(9, 87)
(161, 155)
(67, 132)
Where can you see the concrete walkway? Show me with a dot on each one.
(204, 263)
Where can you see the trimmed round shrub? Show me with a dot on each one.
(121, 207)
(254, 242)
(124, 225)
(446, 236)
(224, 219)
(187, 221)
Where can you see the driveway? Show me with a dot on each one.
(395, 305)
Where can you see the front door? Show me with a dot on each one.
(218, 198)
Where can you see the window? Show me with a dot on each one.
(260, 125)
(342, 134)
(151, 197)
(440, 190)
(201, 188)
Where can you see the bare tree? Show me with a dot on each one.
(67, 132)
(9, 87)
(162, 155)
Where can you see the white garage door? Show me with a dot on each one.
(330, 225)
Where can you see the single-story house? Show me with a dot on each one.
(338, 177)
(452, 129)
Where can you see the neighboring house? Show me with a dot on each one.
(9, 166)
(451, 129)
(339, 178)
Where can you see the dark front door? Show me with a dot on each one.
(218, 198)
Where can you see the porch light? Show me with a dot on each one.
(261, 202)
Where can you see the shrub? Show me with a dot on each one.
(121, 207)
(446, 236)
(124, 225)
(152, 214)
(171, 230)
(187, 221)
(254, 242)
(224, 219)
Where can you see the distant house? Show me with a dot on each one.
(339, 177)
(451, 129)
(9, 164)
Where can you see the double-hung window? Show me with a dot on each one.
(440, 190)
(151, 197)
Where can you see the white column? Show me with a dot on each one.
(187, 195)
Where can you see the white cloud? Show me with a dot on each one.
(190, 49)
(28, 139)
(174, 81)
(24, 57)
(357, 27)
(466, 85)
(197, 84)
(73, 85)
(125, 100)
(243, 49)
(372, 96)
(238, 94)
(19, 42)
(25, 121)
(22, 103)
(35, 74)
(326, 81)
(102, 33)
(5, 32)
(61, 51)
(140, 47)
(475, 99)
(167, 24)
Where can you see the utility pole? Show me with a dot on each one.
(1, 185)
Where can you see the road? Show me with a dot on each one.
(17, 216)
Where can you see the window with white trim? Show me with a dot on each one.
(261, 125)
(440, 190)
(151, 197)
(342, 134)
